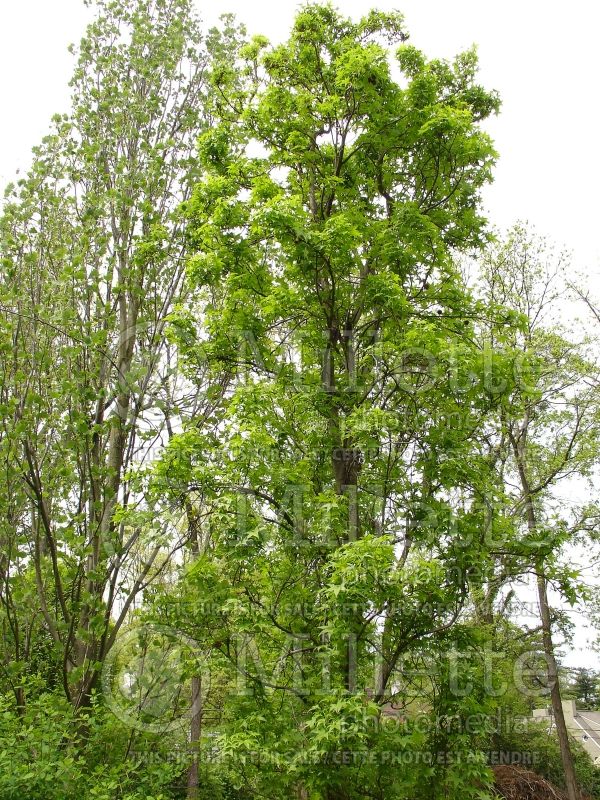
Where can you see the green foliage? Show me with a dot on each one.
(91, 246)
(583, 685)
(51, 753)
(246, 259)
(329, 306)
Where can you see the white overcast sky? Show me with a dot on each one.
(542, 56)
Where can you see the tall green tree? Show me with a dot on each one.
(93, 258)
(343, 525)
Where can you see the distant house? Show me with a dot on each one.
(582, 725)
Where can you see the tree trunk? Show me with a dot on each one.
(346, 462)
(193, 781)
(195, 732)
(555, 696)
(552, 668)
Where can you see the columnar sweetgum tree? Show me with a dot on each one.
(343, 470)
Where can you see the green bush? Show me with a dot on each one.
(49, 753)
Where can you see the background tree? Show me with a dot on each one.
(547, 430)
(93, 260)
(583, 686)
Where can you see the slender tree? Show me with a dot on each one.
(547, 434)
(93, 260)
